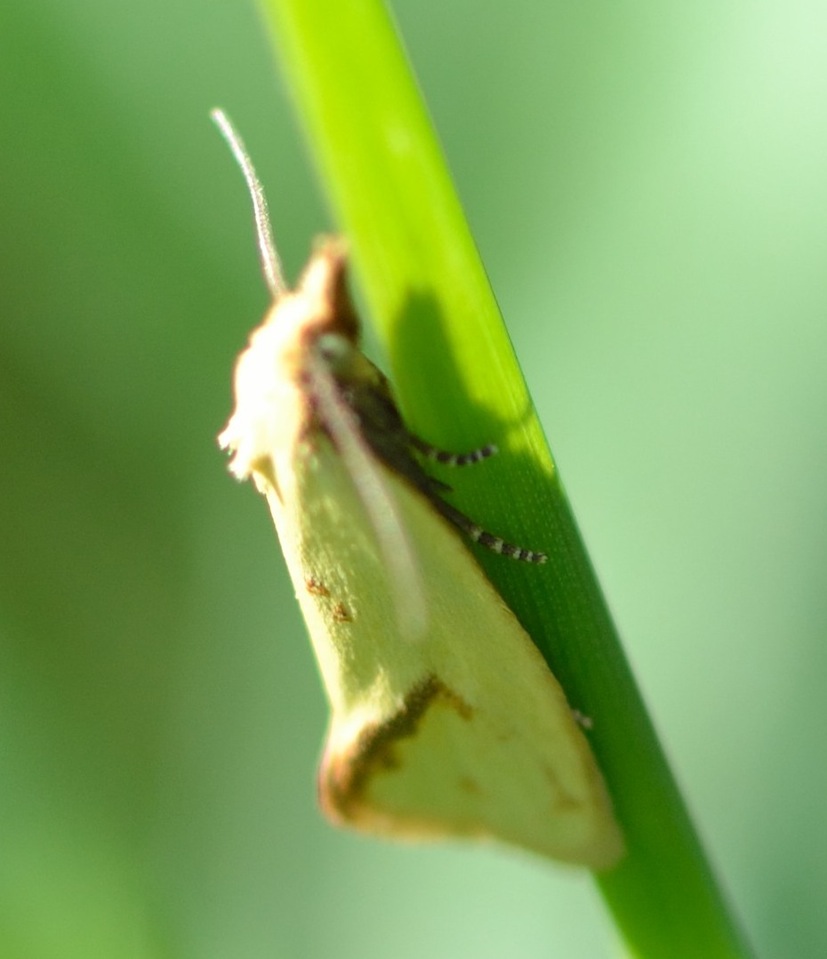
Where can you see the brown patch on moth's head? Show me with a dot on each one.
(324, 283)
(345, 775)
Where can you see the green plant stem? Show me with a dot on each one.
(382, 167)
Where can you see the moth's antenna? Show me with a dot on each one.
(270, 262)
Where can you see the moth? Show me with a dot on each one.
(445, 720)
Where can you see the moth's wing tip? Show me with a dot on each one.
(607, 850)
(368, 748)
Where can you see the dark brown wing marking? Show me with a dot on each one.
(344, 777)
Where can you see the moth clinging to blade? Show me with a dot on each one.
(445, 719)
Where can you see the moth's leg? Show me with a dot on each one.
(451, 459)
(483, 537)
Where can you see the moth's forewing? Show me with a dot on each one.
(464, 732)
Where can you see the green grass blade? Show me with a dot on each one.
(459, 384)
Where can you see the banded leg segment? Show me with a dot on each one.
(463, 523)
(484, 538)
(451, 459)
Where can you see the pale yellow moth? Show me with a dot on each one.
(445, 719)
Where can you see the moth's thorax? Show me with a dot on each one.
(274, 408)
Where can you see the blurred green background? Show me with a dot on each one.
(648, 186)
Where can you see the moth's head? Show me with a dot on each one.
(272, 404)
(323, 288)
(315, 321)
